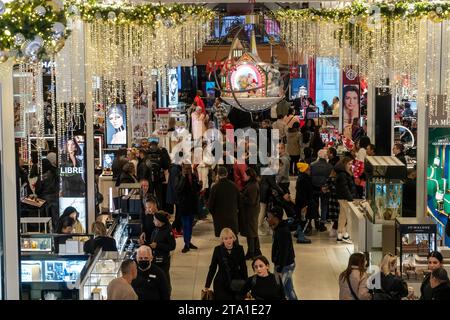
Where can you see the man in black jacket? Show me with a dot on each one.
(151, 282)
(440, 283)
(283, 255)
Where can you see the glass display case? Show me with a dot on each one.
(414, 239)
(385, 176)
(36, 244)
(104, 269)
(121, 233)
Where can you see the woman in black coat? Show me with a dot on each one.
(232, 273)
(345, 190)
(162, 242)
(248, 224)
(187, 190)
(100, 240)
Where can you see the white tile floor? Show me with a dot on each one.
(317, 265)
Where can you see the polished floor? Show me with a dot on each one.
(315, 278)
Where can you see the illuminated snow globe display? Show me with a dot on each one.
(248, 83)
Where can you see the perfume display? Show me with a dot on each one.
(36, 244)
(385, 198)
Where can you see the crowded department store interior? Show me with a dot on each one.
(234, 150)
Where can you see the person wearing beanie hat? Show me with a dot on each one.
(302, 167)
(283, 255)
(162, 241)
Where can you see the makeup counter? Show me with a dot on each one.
(49, 272)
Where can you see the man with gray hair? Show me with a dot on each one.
(151, 282)
(320, 171)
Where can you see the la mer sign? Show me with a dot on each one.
(438, 111)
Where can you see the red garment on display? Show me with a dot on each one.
(199, 103)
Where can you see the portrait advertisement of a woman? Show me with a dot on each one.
(72, 169)
(351, 103)
(117, 125)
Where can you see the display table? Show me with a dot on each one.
(106, 186)
(356, 226)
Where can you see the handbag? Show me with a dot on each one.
(236, 285)
(207, 295)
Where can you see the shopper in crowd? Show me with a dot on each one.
(303, 201)
(227, 130)
(305, 140)
(219, 111)
(327, 109)
(320, 171)
(162, 242)
(133, 158)
(293, 146)
(440, 283)
(144, 192)
(119, 162)
(291, 119)
(333, 204)
(409, 194)
(248, 224)
(188, 190)
(336, 108)
(311, 109)
(332, 156)
(283, 108)
(398, 151)
(283, 255)
(100, 240)
(389, 285)
(345, 190)
(64, 228)
(357, 130)
(353, 281)
(127, 175)
(317, 142)
(308, 155)
(151, 282)
(198, 124)
(408, 112)
(198, 101)
(239, 169)
(228, 268)
(283, 171)
(120, 288)
(363, 144)
(151, 207)
(47, 188)
(263, 285)
(371, 150)
(282, 128)
(224, 203)
(171, 197)
(435, 261)
(268, 187)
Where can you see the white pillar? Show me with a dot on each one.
(9, 197)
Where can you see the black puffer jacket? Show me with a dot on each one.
(165, 241)
(282, 247)
(269, 184)
(345, 185)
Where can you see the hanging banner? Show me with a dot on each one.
(438, 111)
(141, 114)
(172, 79)
(72, 172)
(116, 128)
(350, 98)
(438, 177)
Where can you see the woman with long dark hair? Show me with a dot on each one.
(353, 280)
(294, 146)
(72, 169)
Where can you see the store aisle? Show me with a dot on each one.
(315, 276)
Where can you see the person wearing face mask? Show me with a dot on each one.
(151, 282)
(162, 242)
(440, 283)
(148, 225)
(435, 261)
(263, 285)
(120, 288)
(227, 268)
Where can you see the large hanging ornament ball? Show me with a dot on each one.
(73, 10)
(158, 17)
(439, 10)
(352, 20)
(40, 11)
(19, 39)
(111, 15)
(98, 16)
(58, 28)
(411, 8)
(32, 48)
(2, 7)
(168, 23)
(3, 56)
(391, 7)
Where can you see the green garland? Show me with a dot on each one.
(20, 17)
(436, 11)
(148, 14)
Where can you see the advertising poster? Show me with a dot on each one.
(438, 177)
(116, 128)
(141, 113)
(173, 87)
(350, 97)
(72, 174)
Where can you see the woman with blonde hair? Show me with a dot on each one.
(228, 268)
(389, 285)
